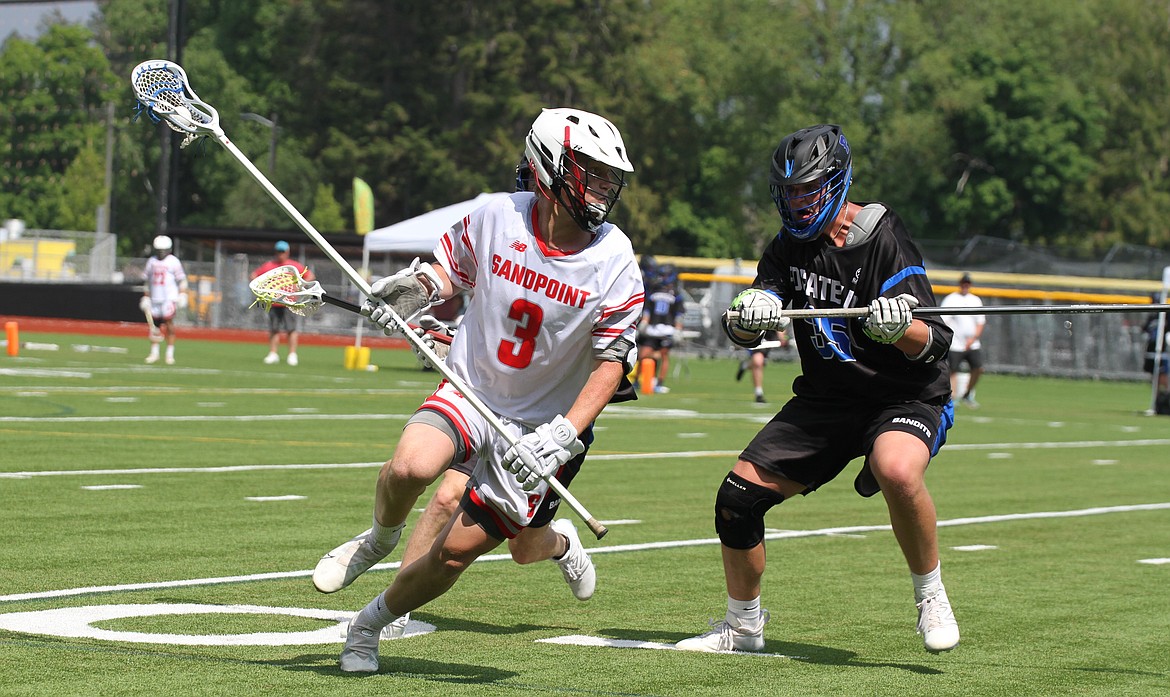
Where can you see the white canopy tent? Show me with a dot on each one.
(417, 236)
(420, 234)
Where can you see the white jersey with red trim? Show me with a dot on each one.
(527, 340)
(164, 276)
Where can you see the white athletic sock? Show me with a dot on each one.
(374, 615)
(928, 583)
(170, 352)
(747, 612)
(383, 536)
(759, 392)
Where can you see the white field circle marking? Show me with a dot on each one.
(77, 622)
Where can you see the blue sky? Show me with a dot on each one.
(24, 18)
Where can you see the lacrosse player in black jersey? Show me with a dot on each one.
(876, 387)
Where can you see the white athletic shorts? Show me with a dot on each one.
(163, 311)
(492, 486)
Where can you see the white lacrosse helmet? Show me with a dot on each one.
(555, 146)
(162, 243)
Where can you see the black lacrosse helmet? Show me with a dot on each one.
(524, 175)
(809, 179)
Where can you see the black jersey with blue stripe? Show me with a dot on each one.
(838, 360)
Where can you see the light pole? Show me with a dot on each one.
(271, 124)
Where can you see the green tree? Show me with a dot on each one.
(51, 96)
(327, 216)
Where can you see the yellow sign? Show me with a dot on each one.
(363, 207)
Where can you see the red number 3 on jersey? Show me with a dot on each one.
(528, 318)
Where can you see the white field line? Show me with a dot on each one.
(690, 454)
(670, 544)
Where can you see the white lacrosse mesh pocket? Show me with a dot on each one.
(162, 89)
(284, 286)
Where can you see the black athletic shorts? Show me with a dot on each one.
(657, 343)
(281, 319)
(811, 441)
(974, 359)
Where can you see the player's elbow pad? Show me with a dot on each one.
(936, 347)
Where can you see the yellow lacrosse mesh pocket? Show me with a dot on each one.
(284, 286)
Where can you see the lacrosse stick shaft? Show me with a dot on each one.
(849, 312)
(399, 323)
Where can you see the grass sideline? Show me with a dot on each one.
(1050, 604)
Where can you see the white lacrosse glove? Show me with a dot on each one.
(144, 304)
(437, 337)
(408, 292)
(541, 453)
(889, 318)
(182, 301)
(760, 310)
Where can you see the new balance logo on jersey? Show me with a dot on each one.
(535, 281)
(518, 246)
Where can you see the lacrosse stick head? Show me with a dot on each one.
(163, 91)
(285, 286)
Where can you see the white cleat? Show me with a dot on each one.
(271, 359)
(343, 564)
(397, 628)
(360, 654)
(152, 358)
(170, 360)
(936, 623)
(576, 566)
(292, 359)
(728, 635)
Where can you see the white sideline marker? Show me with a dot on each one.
(286, 497)
(586, 640)
(111, 487)
(1161, 560)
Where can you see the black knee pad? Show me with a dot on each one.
(740, 506)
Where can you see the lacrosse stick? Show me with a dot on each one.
(153, 331)
(285, 286)
(849, 312)
(162, 88)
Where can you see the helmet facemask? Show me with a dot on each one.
(807, 208)
(590, 189)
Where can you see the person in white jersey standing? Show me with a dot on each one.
(965, 344)
(557, 297)
(166, 294)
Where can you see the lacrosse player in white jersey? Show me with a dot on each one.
(557, 297)
(166, 293)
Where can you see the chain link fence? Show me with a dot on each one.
(1104, 346)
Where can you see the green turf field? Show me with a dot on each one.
(219, 482)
